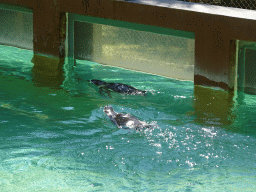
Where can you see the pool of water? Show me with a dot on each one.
(59, 139)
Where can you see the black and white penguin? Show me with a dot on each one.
(117, 87)
(125, 121)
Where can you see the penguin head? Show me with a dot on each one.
(109, 111)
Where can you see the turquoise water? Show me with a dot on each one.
(59, 139)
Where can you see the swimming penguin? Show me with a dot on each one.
(125, 121)
(117, 87)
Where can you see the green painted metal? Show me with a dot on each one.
(16, 8)
(133, 26)
(241, 70)
(70, 33)
(241, 66)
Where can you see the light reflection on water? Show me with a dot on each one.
(61, 140)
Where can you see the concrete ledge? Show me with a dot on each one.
(237, 23)
(201, 8)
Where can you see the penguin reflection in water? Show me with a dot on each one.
(116, 87)
(125, 121)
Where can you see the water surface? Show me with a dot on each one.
(59, 139)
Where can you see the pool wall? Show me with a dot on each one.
(16, 25)
(216, 29)
(149, 49)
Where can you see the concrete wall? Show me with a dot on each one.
(215, 28)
